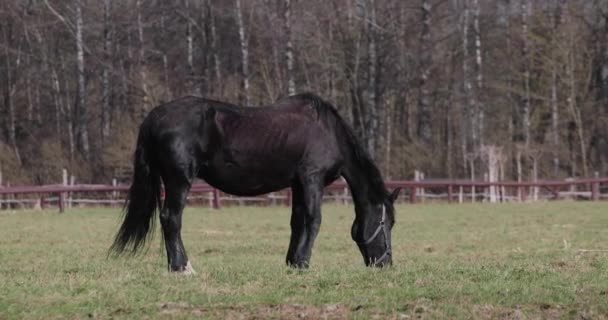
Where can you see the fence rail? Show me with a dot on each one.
(63, 196)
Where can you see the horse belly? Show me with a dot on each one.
(255, 178)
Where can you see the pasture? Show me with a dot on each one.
(541, 260)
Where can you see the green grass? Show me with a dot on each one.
(451, 261)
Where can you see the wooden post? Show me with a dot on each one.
(473, 192)
(114, 193)
(416, 179)
(62, 195)
(217, 204)
(70, 194)
(412, 195)
(535, 178)
(450, 191)
(486, 178)
(519, 175)
(8, 196)
(460, 194)
(345, 196)
(42, 203)
(288, 202)
(595, 188)
(61, 202)
(422, 191)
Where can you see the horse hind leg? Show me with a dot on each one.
(171, 221)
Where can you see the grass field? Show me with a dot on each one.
(542, 260)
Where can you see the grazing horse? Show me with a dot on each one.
(300, 142)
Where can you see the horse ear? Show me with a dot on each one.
(395, 194)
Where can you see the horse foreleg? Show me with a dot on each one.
(171, 221)
(305, 222)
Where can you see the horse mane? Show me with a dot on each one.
(329, 113)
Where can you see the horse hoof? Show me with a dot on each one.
(299, 265)
(185, 270)
(189, 270)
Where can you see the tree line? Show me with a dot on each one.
(430, 85)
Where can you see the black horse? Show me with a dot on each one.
(300, 142)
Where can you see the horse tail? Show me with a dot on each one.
(142, 202)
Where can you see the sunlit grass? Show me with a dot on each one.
(457, 261)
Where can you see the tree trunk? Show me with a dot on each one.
(425, 132)
(166, 82)
(214, 48)
(525, 99)
(81, 110)
(372, 108)
(106, 90)
(142, 61)
(194, 87)
(558, 19)
(577, 116)
(10, 105)
(466, 123)
(28, 91)
(479, 108)
(245, 97)
(291, 82)
(57, 100)
(68, 113)
(10, 88)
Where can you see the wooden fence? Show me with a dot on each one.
(62, 196)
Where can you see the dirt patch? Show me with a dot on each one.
(542, 311)
(282, 311)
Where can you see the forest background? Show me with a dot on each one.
(442, 86)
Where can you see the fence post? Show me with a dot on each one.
(61, 202)
(416, 179)
(450, 191)
(422, 191)
(412, 194)
(62, 194)
(70, 194)
(595, 188)
(216, 199)
(345, 195)
(114, 193)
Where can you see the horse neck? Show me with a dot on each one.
(362, 186)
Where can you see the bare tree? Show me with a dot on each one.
(244, 53)
(142, 59)
(106, 95)
(81, 111)
(217, 67)
(9, 90)
(190, 50)
(372, 107)
(558, 20)
(478, 134)
(425, 131)
(525, 98)
(291, 83)
(467, 122)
